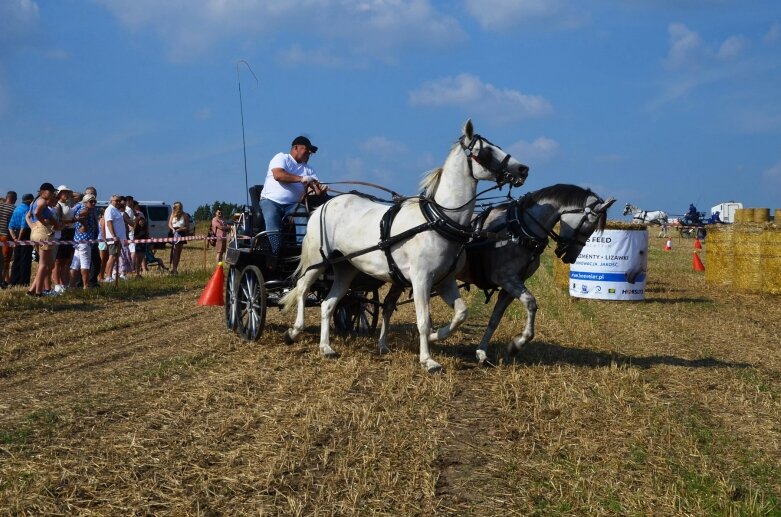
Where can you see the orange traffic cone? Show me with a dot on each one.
(212, 293)
(697, 263)
(697, 244)
(669, 245)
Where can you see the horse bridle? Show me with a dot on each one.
(562, 244)
(485, 158)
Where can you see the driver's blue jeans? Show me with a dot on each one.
(273, 213)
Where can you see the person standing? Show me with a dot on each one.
(287, 179)
(115, 235)
(130, 219)
(219, 229)
(42, 224)
(62, 261)
(86, 230)
(19, 230)
(178, 223)
(7, 207)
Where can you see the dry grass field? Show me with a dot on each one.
(133, 400)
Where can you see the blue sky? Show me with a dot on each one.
(658, 103)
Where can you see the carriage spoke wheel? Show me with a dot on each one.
(357, 314)
(251, 302)
(231, 304)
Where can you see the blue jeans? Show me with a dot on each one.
(273, 213)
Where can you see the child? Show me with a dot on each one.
(151, 260)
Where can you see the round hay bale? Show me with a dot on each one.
(747, 244)
(777, 217)
(719, 255)
(770, 262)
(560, 273)
(744, 215)
(761, 215)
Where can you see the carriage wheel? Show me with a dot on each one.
(251, 302)
(231, 304)
(357, 313)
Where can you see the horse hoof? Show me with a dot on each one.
(481, 357)
(384, 350)
(328, 352)
(432, 367)
(288, 337)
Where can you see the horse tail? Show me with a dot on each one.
(290, 299)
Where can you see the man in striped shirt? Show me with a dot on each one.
(7, 253)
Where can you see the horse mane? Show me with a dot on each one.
(571, 196)
(430, 182)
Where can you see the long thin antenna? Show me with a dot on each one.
(241, 108)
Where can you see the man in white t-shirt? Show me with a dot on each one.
(116, 233)
(287, 179)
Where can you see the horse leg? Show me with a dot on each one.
(448, 291)
(530, 304)
(421, 292)
(299, 292)
(503, 300)
(388, 306)
(343, 276)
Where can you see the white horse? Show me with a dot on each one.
(346, 230)
(519, 233)
(645, 216)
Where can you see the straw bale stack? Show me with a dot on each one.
(747, 244)
(744, 215)
(761, 215)
(770, 262)
(777, 217)
(719, 255)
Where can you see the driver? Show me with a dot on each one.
(288, 177)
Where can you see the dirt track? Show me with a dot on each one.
(158, 409)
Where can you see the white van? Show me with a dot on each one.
(156, 214)
(726, 210)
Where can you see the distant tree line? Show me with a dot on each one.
(206, 212)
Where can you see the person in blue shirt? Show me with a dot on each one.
(19, 230)
(715, 218)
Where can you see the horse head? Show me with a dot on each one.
(490, 160)
(627, 209)
(577, 225)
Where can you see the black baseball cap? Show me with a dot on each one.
(302, 140)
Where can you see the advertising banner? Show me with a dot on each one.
(611, 266)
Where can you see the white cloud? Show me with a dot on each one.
(686, 47)
(382, 146)
(773, 173)
(774, 34)
(540, 150)
(472, 94)
(296, 56)
(508, 14)
(192, 27)
(733, 47)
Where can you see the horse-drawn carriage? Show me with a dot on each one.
(257, 278)
(354, 243)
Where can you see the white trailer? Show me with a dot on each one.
(726, 210)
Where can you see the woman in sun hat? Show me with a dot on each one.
(61, 273)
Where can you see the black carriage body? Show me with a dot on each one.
(258, 278)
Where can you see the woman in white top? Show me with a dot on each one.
(178, 223)
(61, 273)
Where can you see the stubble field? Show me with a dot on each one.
(133, 400)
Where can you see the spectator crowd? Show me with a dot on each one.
(93, 247)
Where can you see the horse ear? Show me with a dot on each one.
(604, 206)
(469, 130)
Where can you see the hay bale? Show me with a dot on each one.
(744, 215)
(747, 244)
(560, 273)
(719, 255)
(770, 261)
(621, 225)
(761, 215)
(777, 217)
